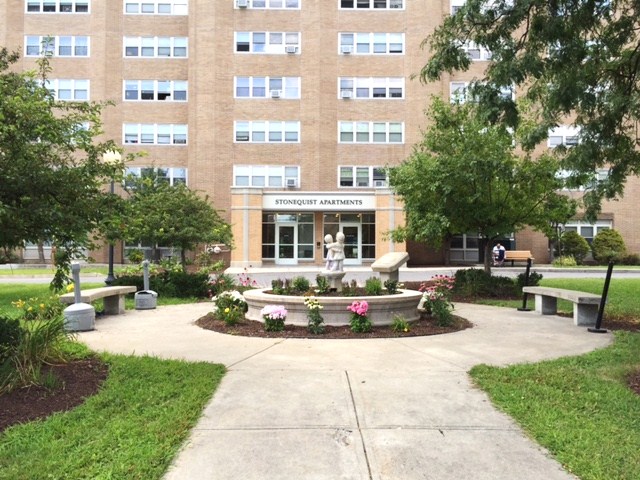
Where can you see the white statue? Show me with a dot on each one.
(335, 252)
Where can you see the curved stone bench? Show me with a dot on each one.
(585, 305)
(113, 297)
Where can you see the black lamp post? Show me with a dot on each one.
(111, 157)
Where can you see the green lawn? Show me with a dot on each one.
(131, 429)
(579, 408)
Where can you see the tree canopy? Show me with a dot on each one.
(466, 177)
(52, 173)
(169, 216)
(577, 60)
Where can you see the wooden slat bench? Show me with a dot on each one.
(517, 256)
(113, 297)
(585, 305)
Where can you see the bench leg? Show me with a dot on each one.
(546, 305)
(585, 314)
(114, 305)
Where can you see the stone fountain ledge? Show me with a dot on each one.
(382, 308)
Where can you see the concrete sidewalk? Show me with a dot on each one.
(398, 408)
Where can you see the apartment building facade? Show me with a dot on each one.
(284, 112)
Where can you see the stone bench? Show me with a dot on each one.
(389, 264)
(517, 256)
(585, 305)
(113, 297)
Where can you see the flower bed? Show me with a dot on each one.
(381, 309)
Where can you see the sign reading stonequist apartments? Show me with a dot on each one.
(317, 201)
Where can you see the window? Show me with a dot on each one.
(171, 175)
(265, 176)
(154, 47)
(267, 42)
(370, 87)
(302, 223)
(57, 6)
(362, 177)
(371, 43)
(267, 87)
(601, 175)
(155, 90)
(476, 52)
(457, 5)
(458, 92)
(372, 4)
(157, 7)
(267, 131)
(588, 230)
(370, 132)
(155, 134)
(273, 4)
(77, 90)
(63, 46)
(563, 135)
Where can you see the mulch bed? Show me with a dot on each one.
(75, 381)
(252, 328)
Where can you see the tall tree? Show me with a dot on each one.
(52, 174)
(466, 177)
(575, 59)
(171, 216)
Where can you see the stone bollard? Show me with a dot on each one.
(146, 299)
(79, 317)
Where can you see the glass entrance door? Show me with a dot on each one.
(286, 245)
(352, 241)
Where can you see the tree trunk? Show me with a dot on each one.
(183, 258)
(488, 256)
(41, 258)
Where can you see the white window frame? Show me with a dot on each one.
(266, 131)
(155, 44)
(371, 4)
(60, 6)
(566, 135)
(358, 130)
(355, 87)
(376, 176)
(175, 175)
(155, 134)
(373, 40)
(175, 86)
(265, 176)
(477, 53)
(275, 43)
(578, 226)
(289, 87)
(55, 85)
(271, 5)
(156, 7)
(456, 5)
(54, 44)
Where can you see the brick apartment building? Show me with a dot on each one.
(283, 111)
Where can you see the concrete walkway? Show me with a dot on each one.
(401, 408)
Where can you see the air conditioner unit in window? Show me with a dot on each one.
(291, 182)
(242, 3)
(276, 93)
(346, 49)
(291, 49)
(379, 183)
(346, 94)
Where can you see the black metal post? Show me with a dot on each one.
(603, 301)
(110, 277)
(526, 283)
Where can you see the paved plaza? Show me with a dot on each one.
(397, 408)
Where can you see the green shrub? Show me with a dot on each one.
(322, 284)
(300, 285)
(534, 280)
(135, 255)
(231, 306)
(473, 282)
(399, 324)
(175, 283)
(38, 308)
(392, 286)
(630, 259)
(565, 261)
(607, 246)
(373, 286)
(572, 244)
(10, 334)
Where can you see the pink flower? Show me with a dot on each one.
(359, 308)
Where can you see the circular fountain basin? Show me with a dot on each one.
(382, 308)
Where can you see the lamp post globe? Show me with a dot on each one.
(111, 157)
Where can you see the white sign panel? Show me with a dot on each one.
(317, 202)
